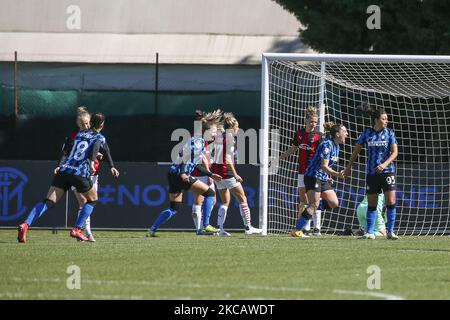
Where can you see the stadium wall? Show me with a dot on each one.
(136, 198)
(140, 105)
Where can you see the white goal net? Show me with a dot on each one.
(414, 91)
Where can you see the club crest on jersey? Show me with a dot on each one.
(326, 151)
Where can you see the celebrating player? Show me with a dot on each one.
(83, 123)
(75, 171)
(191, 157)
(382, 150)
(317, 175)
(306, 141)
(225, 158)
(201, 219)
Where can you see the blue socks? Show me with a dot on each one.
(371, 219)
(208, 205)
(390, 215)
(301, 223)
(85, 212)
(36, 212)
(163, 217)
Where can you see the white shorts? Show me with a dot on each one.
(301, 180)
(94, 180)
(205, 180)
(230, 183)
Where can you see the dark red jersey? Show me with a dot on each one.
(224, 144)
(307, 144)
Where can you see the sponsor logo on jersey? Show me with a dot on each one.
(305, 147)
(377, 143)
(88, 135)
(66, 166)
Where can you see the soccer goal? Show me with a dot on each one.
(415, 92)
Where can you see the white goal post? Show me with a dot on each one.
(415, 92)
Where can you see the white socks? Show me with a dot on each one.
(307, 225)
(222, 215)
(197, 216)
(245, 214)
(317, 219)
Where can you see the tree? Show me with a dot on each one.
(407, 26)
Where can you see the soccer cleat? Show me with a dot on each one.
(22, 235)
(360, 232)
(210, 228)
(391, 236)
(223, 233)
(90, 238)
(151, 234)
(252, 230)
(77, 233)
(316, 232)
(298, 234)
(200, 232)
(366, 236)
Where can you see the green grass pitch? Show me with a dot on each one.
(181, 265)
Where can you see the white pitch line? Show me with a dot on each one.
(385, 296)
(13, 295)
(115, 297)
(156, 284)
(196, 285)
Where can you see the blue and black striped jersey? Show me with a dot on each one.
(191, 155)
(378, 144)
(327, 149)
(78, 161)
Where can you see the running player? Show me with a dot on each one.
(201, 217)
(225, 158)
(317, 175)
(382, 150)
(83, 123)
(75, 171)
(191, 157)
(306, 141)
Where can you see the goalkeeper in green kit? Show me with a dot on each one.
(361, 212)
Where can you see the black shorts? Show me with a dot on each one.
(177, 185)
(311, 183)
(376, 183)
(65, 181)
